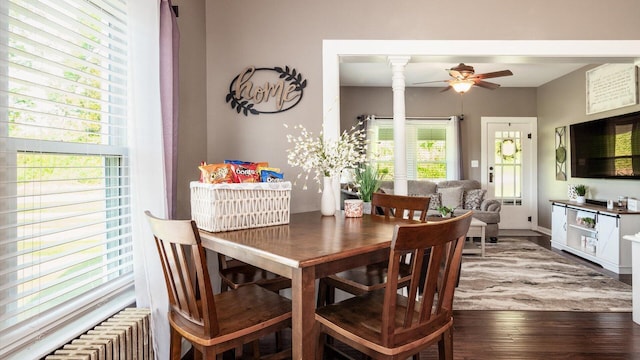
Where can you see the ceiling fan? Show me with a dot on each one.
(463, 77)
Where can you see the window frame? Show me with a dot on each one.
(412, 127)
(56, 326)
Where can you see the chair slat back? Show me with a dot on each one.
(185, 271)
(445, 241)
(401, 206)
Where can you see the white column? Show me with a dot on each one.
(398, 64)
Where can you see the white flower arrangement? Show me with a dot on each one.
(326, 157)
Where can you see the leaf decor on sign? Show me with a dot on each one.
(241, 106)
(293, 76)
(258, 91)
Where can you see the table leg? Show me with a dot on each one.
(303, 337)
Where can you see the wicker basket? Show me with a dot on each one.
(225, 207)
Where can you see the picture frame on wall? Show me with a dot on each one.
(611, 86)
(561, 153)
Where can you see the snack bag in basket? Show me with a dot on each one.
(245, 173)
(271, 176)
(216, 173)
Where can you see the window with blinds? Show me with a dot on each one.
(65, 232)
(427, 144)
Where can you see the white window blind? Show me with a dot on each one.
(65, 227)
(431, 147)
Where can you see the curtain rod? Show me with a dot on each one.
(362, 117)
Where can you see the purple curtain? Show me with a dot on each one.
(169, 76)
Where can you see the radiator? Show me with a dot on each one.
(124, 336)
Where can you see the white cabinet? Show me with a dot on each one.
(559, 224)
(594, 233)
(609, 238)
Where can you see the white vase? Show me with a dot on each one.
(580, 199)
(366, 207)
(328, 200)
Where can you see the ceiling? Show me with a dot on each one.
(375, 71)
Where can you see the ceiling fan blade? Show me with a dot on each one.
(430, 82)
(456, 74)
(494, 74)
(487, 85)
(446, 89)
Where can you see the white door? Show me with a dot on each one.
(509, 169)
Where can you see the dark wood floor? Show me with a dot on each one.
(512, 335)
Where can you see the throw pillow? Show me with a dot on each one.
(451, 197)
(473, 198)
(434, 203)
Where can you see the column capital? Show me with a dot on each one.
(398, 60)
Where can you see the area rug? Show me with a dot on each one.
(520, 275)
(517, 232)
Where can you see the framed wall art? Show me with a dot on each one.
(611, 86)
(561, 153)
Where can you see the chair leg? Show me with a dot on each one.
(322, 293)
(326, 294)
(175, 345)
(331, 295)
(256, 349)
(322, 338)
(445, 346)
(279, 341)
(238, 352)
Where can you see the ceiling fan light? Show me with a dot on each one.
(462, 86)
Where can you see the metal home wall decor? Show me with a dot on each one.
(266, 90)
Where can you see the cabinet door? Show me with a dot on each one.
(559, 224)
(608, 247)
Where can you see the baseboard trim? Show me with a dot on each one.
(544, 230)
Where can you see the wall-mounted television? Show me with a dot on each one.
(606, 148)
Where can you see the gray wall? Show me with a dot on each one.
(192, 135)
(290, 32)
(560, 103)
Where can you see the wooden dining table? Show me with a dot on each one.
(311, 246)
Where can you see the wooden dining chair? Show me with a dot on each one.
(368, 278)
(386, 325)
(212, 323)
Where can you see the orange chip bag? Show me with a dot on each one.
(216, 173)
